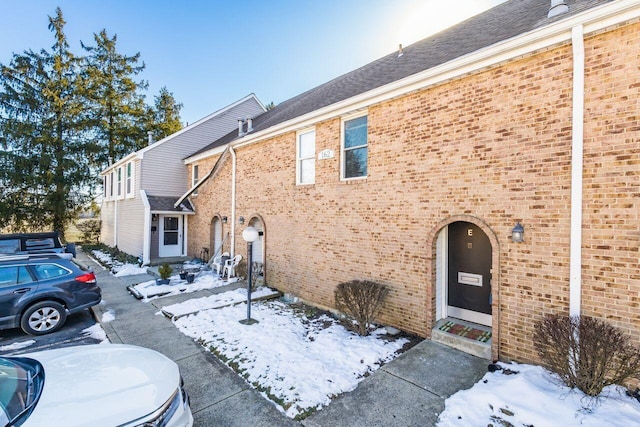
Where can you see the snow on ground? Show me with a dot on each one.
(215, 301)
(205, 280)
(108, 316)
(97, 333)
(17, 345)
(118, 268)
(532, 397)
(300, 362)
(129, 270)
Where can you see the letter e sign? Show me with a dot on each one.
(470, 232)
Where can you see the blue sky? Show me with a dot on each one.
(212, 53)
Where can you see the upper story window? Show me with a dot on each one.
(111, 184)
(195, 178)
(119, 183)
(354, 148)
(306, 157)
(105, 182)
(129, 179)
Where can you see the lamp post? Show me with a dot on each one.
(250, 235)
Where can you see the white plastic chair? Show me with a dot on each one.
(216, 263)
(230, 265)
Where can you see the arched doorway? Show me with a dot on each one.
(464, 259)
(216, 240)
(257, 252)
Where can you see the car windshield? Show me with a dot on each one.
(21, 382)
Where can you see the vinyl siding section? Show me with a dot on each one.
(164, 172)
(108, 223)
(131, 225)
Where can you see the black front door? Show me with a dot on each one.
(469, 277)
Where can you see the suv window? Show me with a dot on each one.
(39, 244)
(10, 246)
(13, 275)
(49, 271)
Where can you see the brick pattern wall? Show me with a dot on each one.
(495, 147)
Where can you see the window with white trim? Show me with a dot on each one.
(119, 174)
(354, 148)
(194, 178)
(105, 180)
(306, 157)
(111, 184)
(129, 179)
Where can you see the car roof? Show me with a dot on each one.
(35, 257)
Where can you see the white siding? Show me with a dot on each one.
(107, 218)
(131, 225)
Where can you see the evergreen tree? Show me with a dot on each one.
(164, 116)
(44, 170)
(116, 110)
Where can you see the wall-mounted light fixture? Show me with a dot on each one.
(517, 234)
(241, 220)
(224, 219)
(154, 217)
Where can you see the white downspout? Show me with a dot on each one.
(575, 252)
(233, 200)
(146, 232)
(115, 225)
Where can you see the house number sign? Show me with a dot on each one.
(326, 154)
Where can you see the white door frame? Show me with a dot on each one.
(170, 250)
(443, 309)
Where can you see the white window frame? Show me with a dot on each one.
(343, 159)
(195, 176)
(119, 187)
(105, 181)
(300, 159)
(111, 181)
(129, 173)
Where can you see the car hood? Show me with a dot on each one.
(102, 385)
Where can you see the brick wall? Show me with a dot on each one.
(494, 148)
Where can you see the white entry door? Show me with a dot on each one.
(170, 236)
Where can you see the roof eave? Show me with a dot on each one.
(556, 33)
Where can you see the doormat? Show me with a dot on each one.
(466, 331)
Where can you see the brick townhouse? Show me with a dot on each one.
(417, 170)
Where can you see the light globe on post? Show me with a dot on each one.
(250, 235)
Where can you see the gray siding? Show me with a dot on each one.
(164, 172)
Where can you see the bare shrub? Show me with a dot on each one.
(361, 300)
(586, 353)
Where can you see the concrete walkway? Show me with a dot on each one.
(409, 391)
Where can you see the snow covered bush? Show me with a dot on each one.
(361, 300)
(586, 353)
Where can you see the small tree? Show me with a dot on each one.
(586, 353)
(165, 271)
(361, 300)
(90, 229)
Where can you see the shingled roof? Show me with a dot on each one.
(498, 24)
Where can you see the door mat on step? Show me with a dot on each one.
(466, 331)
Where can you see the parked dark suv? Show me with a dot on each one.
(34, 243)
(38, 291)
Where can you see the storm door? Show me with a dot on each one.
(170, 236)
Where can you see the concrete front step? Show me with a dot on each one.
(474, 347)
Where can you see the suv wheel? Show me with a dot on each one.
(43, 318)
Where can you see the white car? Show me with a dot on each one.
(93, 385)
